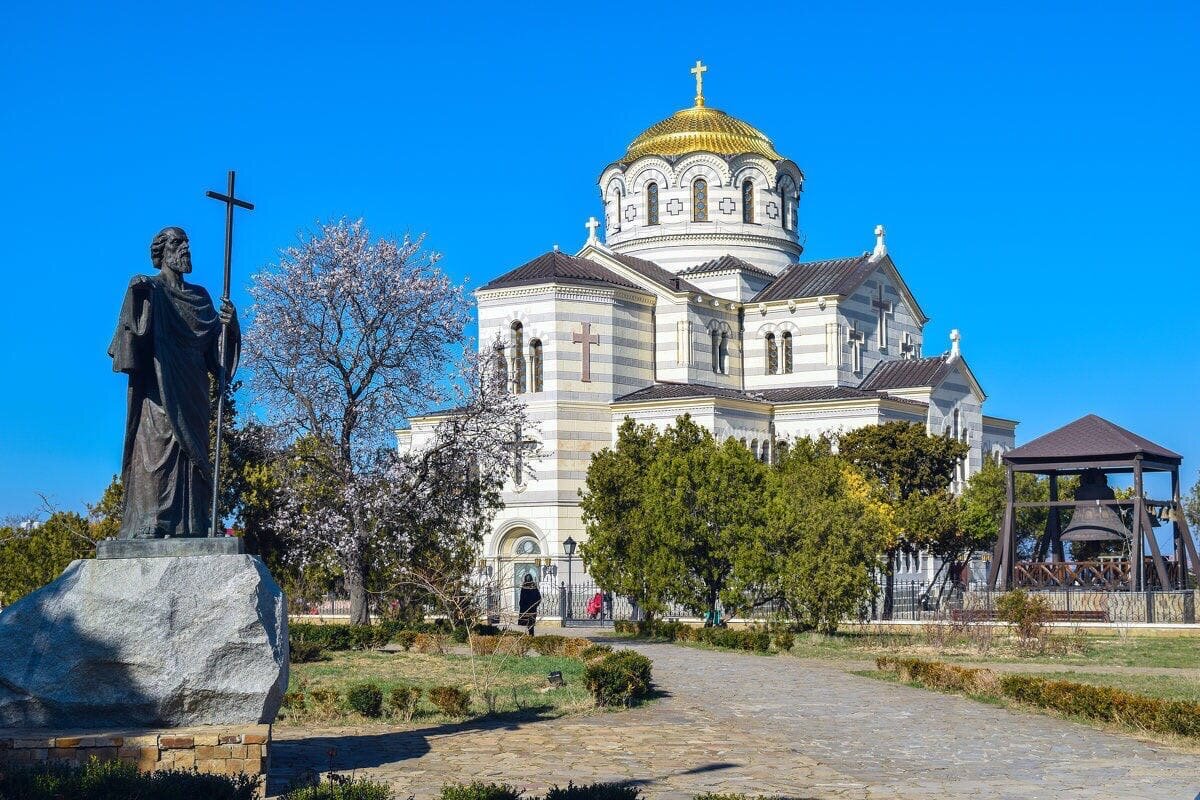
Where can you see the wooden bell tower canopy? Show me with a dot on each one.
(1088, 443)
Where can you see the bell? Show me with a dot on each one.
(1092, 522)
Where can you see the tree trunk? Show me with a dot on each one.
(356, 584)
(889, 585)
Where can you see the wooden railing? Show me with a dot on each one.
(1109, 575)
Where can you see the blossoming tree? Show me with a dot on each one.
(350, 336)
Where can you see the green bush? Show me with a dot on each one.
(548, 645)
(618, 678)
(936, 675)
(479, 790)
(112, 780)
(594, 791)
(625, 627)
(593, 652)
(783, 640)
(1028, 613)
(304, 652)
(450, 700)
(366, 699)
(405, 639)
(340, 637)
(402, 702)
(749, 639)
(342, 789)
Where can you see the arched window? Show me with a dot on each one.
(617, 201)
(754, 447)
(518, 370)
(716, 351)
(724, 354)
(747, 200)
(781, 451)
(652, 203)
(699, 200)
(772, 355)
(535, 367)
(765, 455)
(786, 342)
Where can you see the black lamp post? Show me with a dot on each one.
(569, 548)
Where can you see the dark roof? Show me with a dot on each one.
(907, 373)
(836, 276)
(1089, 437)
(724, 263)
(813, 394)
(559, 267)
(653, 272)
(795, 394)
(675, 391)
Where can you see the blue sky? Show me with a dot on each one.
(1035, 167)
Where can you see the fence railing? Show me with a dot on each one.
(911, 601)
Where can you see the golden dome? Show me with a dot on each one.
(700, 128)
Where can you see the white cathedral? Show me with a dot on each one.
(696, 302)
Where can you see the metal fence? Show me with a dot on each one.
(915, 601)
(911, 601)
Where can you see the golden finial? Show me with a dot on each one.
(699, 71)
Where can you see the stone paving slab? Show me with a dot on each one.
(764, 725)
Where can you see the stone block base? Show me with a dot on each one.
(214, 749)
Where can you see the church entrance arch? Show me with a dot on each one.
(520, 555)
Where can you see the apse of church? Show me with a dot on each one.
(689, 295)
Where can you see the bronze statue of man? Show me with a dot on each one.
(168, 342)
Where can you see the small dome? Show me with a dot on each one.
(700, 128)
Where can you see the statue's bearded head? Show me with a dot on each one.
(170, 250)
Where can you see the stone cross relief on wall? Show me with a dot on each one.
(587, 339)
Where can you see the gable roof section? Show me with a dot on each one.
(835, 276)
(907, 373)
(815, 278)
(918, 373)
(795, 394)
(726, 263)
(652, 272)
(558, 267)
(1086, 438)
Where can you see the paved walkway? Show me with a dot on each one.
(769, 726)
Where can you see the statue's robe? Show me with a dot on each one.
(167, 341)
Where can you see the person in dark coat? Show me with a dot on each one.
(528, 604)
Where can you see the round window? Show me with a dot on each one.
(527, 547)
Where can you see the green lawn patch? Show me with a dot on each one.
(318, 690)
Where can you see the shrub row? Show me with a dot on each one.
(1102, 703)
(1105, 703)
(753, 639)
(112, 780)
(519, 645)
(303, 636)
(618, 678)
(346, 789)
(367, 699)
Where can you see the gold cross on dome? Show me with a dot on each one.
(699, 71)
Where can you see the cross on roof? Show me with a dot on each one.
(591, 226)
(699, 71)
(587, 339)
(907, 347)
(883, 307)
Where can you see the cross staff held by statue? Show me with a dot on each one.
(230, 200)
